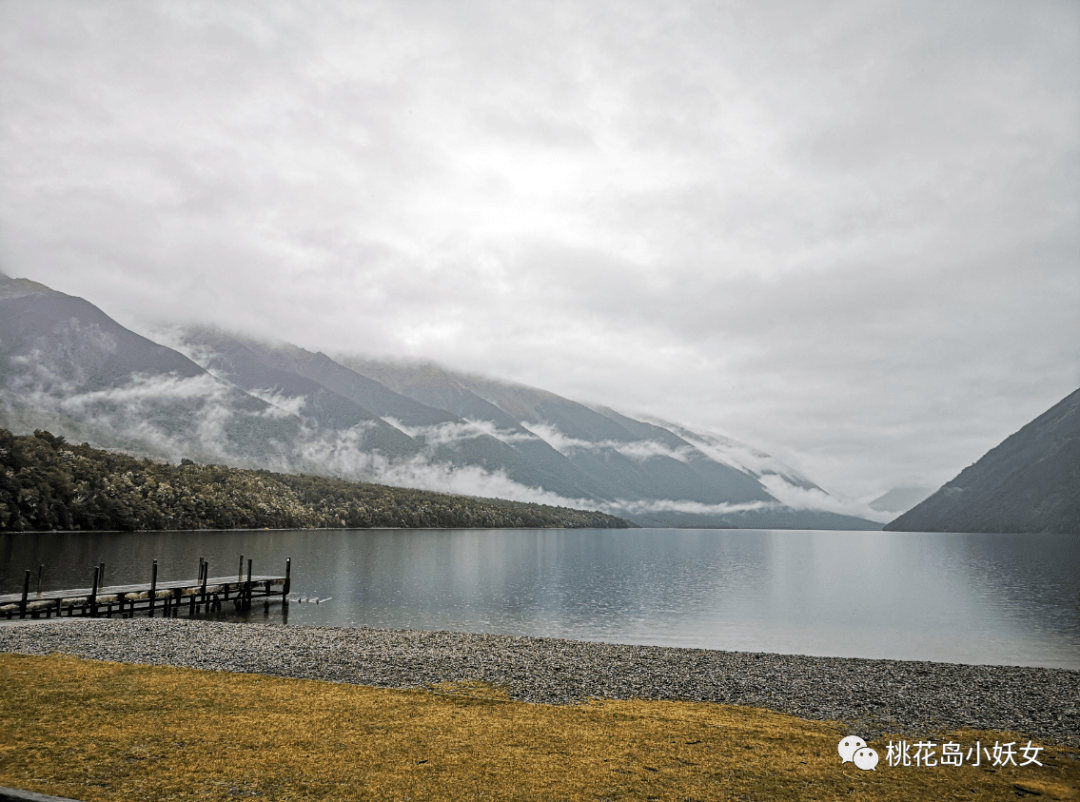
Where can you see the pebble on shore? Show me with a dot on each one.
(870, 697)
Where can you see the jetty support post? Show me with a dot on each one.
(288, 579)
(93, 592)
(205, 575)
(153, 587)
(240, 570)
(247, 594)
(101, 584)
(194, 597)
(25, 593)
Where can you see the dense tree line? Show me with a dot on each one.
(47, 483)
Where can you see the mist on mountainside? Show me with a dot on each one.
(213, 396)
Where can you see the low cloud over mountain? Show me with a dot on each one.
(213, 396)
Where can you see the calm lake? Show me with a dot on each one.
(965, 598)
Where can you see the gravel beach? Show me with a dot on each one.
(871, 697)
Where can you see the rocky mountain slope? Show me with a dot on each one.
(1029, 483)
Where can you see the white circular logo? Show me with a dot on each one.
(866, 758)
(848, 746)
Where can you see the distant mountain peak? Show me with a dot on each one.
(900, 499)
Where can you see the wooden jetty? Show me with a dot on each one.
(166, 597)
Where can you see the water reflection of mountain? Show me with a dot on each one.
(995, 599)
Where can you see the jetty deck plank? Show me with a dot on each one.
(109, 590)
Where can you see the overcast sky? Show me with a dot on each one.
(845, 232)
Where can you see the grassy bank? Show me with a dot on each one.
(109, 731)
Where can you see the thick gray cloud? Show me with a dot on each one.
(846, 232)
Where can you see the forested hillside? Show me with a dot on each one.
(47, 483)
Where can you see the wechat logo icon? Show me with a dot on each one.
(854, 749)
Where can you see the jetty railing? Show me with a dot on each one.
(203, 593)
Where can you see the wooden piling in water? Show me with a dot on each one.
(153, 587)
(25, 593)
(93, 594)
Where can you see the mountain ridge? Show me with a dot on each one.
(1029, 483)
(231, 399)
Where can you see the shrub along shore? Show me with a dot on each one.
(47, 483)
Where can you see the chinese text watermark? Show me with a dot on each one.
(927, 753)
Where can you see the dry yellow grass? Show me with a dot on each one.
(109, 731)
